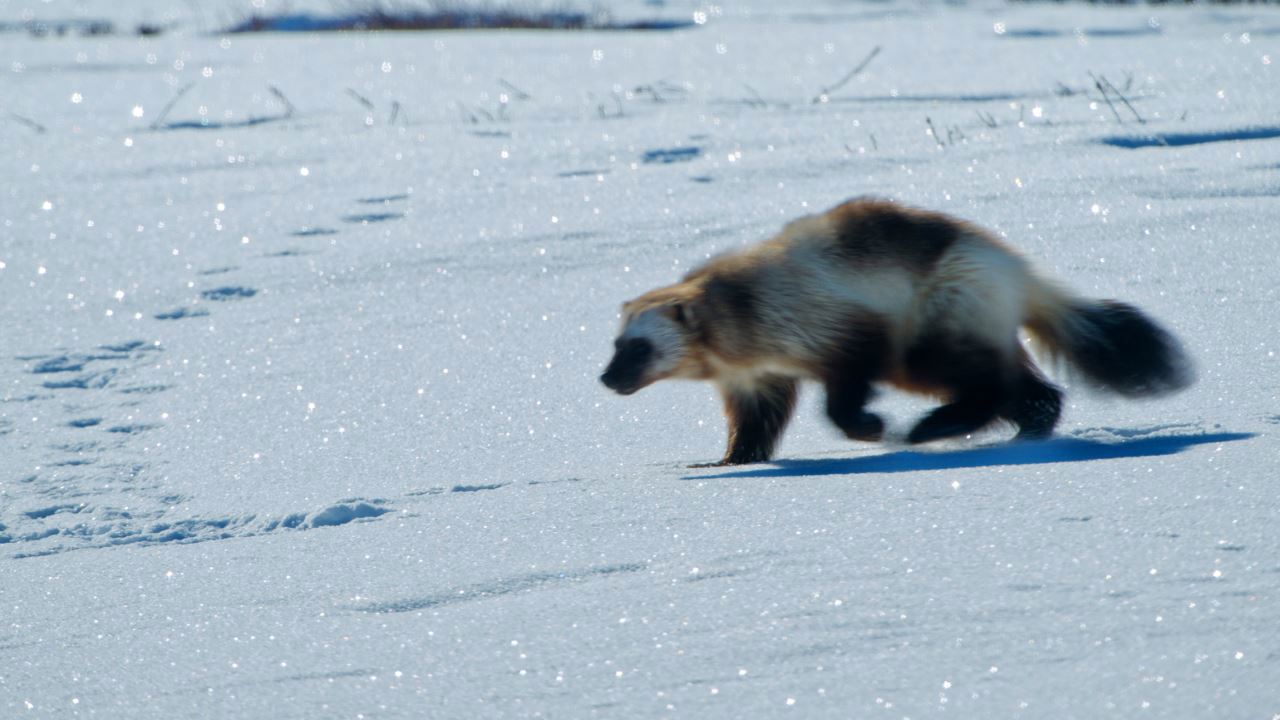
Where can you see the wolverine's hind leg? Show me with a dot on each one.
(976, 377)
(965, 340)
(1035, 404)
(757, 412)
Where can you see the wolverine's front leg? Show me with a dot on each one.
(757, 414)
(845, 400)
(847, 376)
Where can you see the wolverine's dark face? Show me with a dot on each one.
(653, 345)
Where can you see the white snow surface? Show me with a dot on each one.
(299, 416)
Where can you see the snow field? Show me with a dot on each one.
(299, 413)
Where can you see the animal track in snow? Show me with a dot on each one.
(313, 232)
(367, 218)
(666, 156)
(582, 173)
(42, 513)
(425, 491)
(143, 389)
(93, 376)
(70, 477)
(127, 346)
(180, 313)
(131, 429)
(383, 200)
(90, 381)
(557, 481)
(63, 527)
(477, 488)
(1097, 32)
(345, 512)
(62, 363)
(228, 292)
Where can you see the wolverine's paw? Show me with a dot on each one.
(867, 427)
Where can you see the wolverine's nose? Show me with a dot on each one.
(618, 386)
(628, 364)
(611, 381)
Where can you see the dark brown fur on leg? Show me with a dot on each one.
(844, 407)
(848, 378)
(976, 378)
(1035, 405)
(757, 417)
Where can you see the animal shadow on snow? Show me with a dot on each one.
(1059, 450)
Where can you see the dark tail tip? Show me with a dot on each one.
(1122, 350)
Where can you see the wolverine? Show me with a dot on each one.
(873, 292)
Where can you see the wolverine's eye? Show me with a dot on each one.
(678, 313)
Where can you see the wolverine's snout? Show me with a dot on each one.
(626, 369)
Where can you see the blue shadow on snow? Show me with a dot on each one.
(1027, 453)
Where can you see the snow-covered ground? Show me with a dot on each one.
(298, 403)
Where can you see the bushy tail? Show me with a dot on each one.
(1114, 345)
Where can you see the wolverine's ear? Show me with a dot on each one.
(686, 316)
(679, 313)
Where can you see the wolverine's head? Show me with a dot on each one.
(657, 341)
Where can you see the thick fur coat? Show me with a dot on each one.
(874, 292)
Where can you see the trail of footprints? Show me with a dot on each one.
(98, 395)
(94, 499)
(230, 292)
(96, 486)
